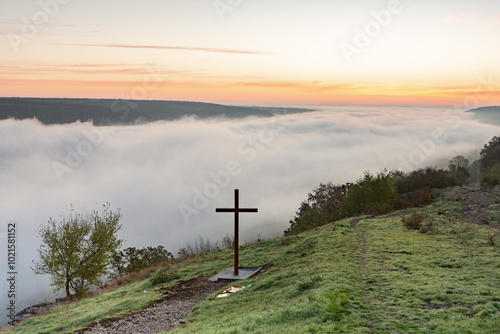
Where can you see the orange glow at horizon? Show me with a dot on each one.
(253, 92)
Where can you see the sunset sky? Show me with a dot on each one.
(420, 52)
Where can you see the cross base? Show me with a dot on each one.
(228, 274)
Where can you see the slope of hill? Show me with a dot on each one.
(490, 115)
(108, 112)
(358, 275)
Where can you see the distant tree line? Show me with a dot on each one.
(372, 194)
(387, 191)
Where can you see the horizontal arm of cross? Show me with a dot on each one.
(236, 210)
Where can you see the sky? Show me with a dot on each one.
(259, 52)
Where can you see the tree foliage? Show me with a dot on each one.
(321, 207)
(491, 178)
(427, 178)
(490, 154)
(457, 163)
(459, 168)
(374, 194)
(77, 249)
(132, 259)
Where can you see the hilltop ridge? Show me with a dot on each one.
(113, 112)
(490, 115)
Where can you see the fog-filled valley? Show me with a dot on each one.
(167, 177)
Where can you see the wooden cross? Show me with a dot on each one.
(236, 211)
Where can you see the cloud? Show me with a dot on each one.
(310, 85)
(15, 26)
(471, 18)
(168, 177)
(462, 18)
(494, 22)
(170, 47)
(90, 69)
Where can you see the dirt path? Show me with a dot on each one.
(364, 268)
(170, 312)
(477, 204)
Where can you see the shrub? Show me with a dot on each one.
(321, 207)
(419, 198)
(491, 239)
(327, 198)
(132, 259)
(428, 178)
(309, 283)
(428, 228)
(201, 246)
(491, 178)
(466, 233)
(414, 221)
(371, 195)
(285, 240)
(227, 242)
(460, 176)
(308, 218)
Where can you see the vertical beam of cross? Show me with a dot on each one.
(236, 211)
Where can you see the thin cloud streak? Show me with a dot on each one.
(17, 71)
(170, 47)
(15, 26)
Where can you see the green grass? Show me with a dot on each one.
(373, 276)
(67, 318)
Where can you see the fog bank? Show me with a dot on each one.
(168, 177)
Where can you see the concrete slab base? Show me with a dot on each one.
(228, 274)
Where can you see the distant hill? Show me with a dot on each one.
(489, 115)
(111, 112)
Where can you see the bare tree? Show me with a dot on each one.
(458, 162)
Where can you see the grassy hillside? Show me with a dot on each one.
(359, 275)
